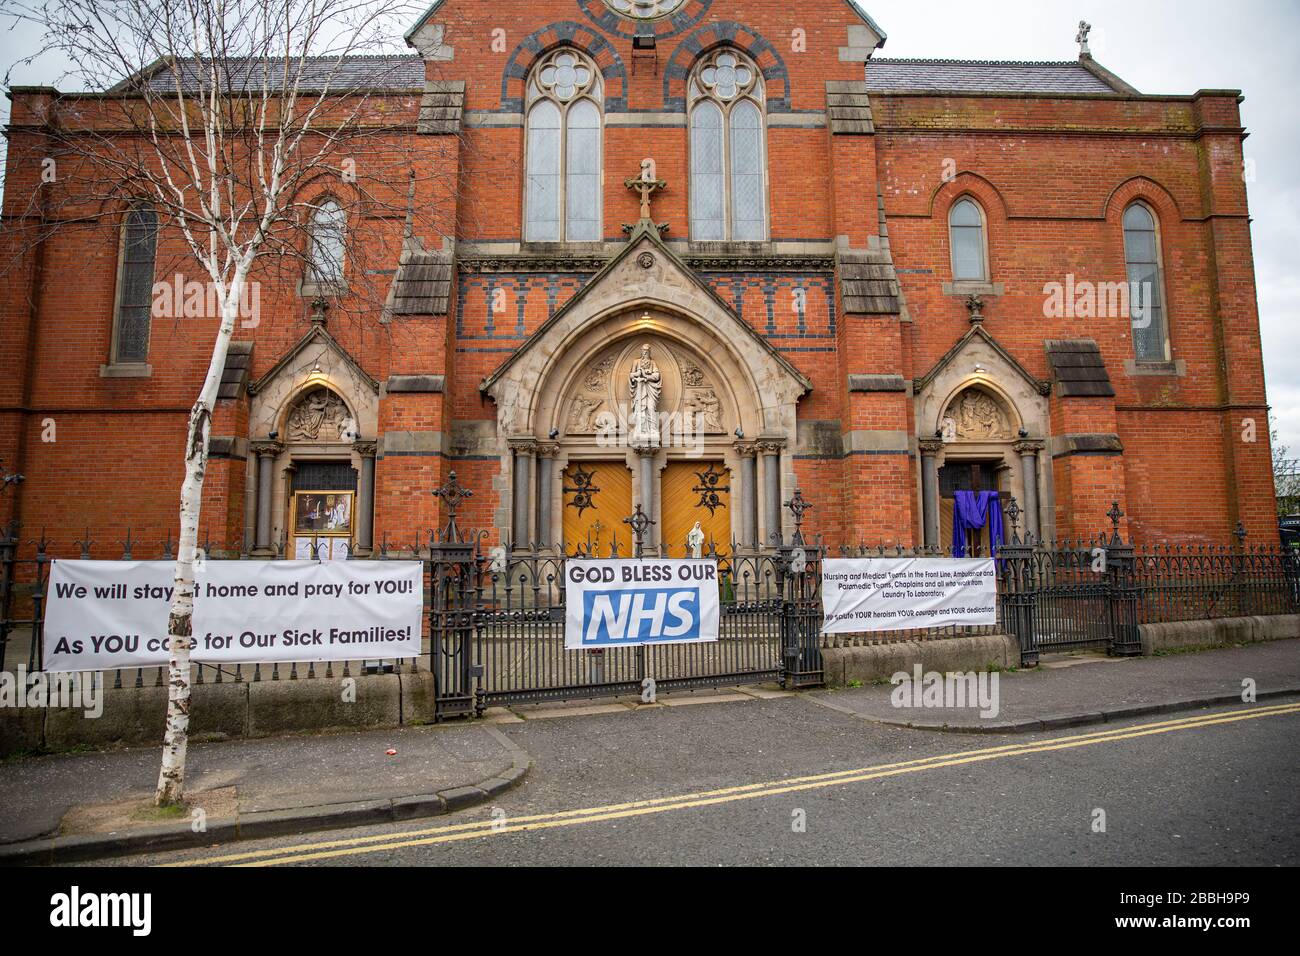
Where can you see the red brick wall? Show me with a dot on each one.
(1053, 175)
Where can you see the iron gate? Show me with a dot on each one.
(496, 623)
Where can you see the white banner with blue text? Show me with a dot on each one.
(628, 603)
(103, 615)
(895, 594)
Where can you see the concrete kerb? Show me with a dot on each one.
(271, 823)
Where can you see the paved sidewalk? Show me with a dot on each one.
(1092, 689)
(282, 784)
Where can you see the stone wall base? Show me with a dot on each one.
(1220, 633)
(846, 665)
(136, 715)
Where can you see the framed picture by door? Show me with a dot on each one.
(323, 513)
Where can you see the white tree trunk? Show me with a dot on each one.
(171, 776)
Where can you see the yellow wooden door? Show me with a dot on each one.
(686, 491)
(597, 497)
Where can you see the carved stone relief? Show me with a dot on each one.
(975, 415)
(675, 381)
(320, 415)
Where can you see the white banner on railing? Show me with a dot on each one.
(630, 602)
(102, 615)
(890, 594)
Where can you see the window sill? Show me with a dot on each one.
(126, 370)
(314, 290)
(965, 287)
(1175, 369)
(729, 247)
(562, 248)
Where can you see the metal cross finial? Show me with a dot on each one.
(1240, 534)
(1013, 515)
(639, 522)
(798, 505)
(1114, 514)
(1081, 38)
(452, 494)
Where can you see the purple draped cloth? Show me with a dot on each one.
(971, 511)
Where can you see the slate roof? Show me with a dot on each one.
(353, 72)
(1078, 368)
(422, 285)
(234, 376)
(983, 76)
(868, 281)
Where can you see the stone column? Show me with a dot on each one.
(266, 452)
(546, 452)
(524, 449)
(646, 466)
(770, 449)
(366, 498)
(930, 449)
(1028, 452)
(748, 493)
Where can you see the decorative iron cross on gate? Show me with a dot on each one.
(710, 489)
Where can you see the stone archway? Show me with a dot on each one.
(702, 405)
(314, 407)
(979, 407)
(551, 392)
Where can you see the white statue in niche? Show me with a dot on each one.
(695, 541)
(646, 386)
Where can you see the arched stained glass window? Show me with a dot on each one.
(728, 150)
(139, 248)
(328, 238)
(562, 196)
(1146, 284)
(966, 232)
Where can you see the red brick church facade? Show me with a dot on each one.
(881, 281)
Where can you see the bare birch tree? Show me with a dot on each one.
(219, 112)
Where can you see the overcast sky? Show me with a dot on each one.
(1159, 46)
(1167, 46)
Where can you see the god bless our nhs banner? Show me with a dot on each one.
(103, 615)
(626, 603)
(890, 594)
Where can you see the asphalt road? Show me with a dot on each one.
(789, 781)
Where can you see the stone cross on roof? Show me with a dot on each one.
(1082, 38)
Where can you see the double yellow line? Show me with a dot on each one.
(454, 833)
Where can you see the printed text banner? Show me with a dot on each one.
(628, 603)
(104, 615)
(890, 594)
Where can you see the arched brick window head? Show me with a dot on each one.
(728, 150)
(562, 201)
(137, 256)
